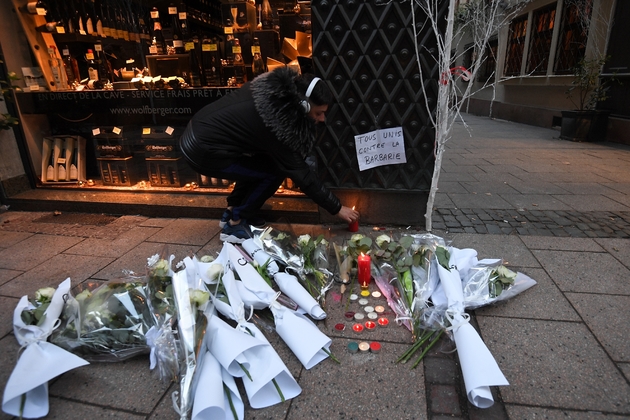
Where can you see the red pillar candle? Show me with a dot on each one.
(363, 270)
(353, 226)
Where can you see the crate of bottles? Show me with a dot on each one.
(111, 142)
(169, 172)
(121, 172)
(63, 159)
(160, 141)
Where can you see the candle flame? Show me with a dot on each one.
(353, 207)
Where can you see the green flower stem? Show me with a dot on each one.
(279, 390)
(332, 356)
(437, 337)
(246, 372)
(404, 358)
(228, 392)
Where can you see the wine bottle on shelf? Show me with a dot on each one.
(195, 66)
(229, 42)
(101, 62)
(97, 19)
(62, 21)
(182, 15)
(211, 61)
(158, 46)
(258, 65)
(105, 22)
(239, 64)
(92, 66)
(36, 7)
(266, 17)
(178, 40)
(124, 21)
(89, 17)
(56, 69)
(71, 68)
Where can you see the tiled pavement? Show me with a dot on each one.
(555, 210)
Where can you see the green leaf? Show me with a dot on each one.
(443, 257)
(406, 241)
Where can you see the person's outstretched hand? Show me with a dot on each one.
(348, 214)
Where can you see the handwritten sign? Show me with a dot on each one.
(380, 147)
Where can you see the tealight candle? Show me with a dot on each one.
(363, 346)
(354, 297)
(376, 294)
(365, 293)
(364, 274)
(357, 328)
(375, 347)
(349, 314)
(383, 322)
(372, 315)
(368, 309)
(353, 347)
(340, 327)
(363, 302)
(370, 325)
(358, 316)
(379, 309)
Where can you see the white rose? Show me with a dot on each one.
(215, 271)
(356, 237)
(382, 240)
(206, 259)
(303, 240)
(503, 271)
(198, 297)
(44, 294)
(324, 242)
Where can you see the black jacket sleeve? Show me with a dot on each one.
(295, 167)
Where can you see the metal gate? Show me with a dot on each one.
(365, 51)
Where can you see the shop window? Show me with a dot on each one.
(515, 46)
(573, 35)
(540, 39)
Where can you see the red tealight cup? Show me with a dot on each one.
(357, 328)
(383, 322)
(375, 347)
(370, 325)
(340, 327)
(353, 226)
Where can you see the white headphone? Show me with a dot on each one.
(305, 103)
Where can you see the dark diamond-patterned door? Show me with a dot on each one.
(365, 51)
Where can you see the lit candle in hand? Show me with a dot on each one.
(363, 270)
(353, 226)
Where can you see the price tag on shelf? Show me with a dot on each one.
(182, 16)
(61, 161)
(255, 49)
(172, 10)
(169, 130)
(116, 130)
(96, 131)
(228, 30)
(146, 130)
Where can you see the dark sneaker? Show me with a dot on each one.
(227, 215)
(258, 222)
(235, 234)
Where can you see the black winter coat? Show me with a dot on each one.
(263, 118)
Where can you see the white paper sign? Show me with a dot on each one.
(380, 147)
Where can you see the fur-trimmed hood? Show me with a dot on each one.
(277, 101)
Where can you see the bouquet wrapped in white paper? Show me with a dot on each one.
(287, 283)
(26, 392)
(307, 342)
(244, 351)
(479, 368)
